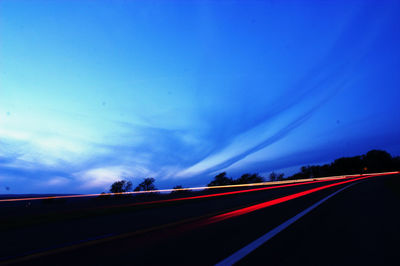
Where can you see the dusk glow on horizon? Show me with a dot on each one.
(96, 91)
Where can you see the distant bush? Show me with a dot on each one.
(222, 180)
(249, 178)
(179, 190)
(275, 177)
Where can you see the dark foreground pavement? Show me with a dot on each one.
(360, 225)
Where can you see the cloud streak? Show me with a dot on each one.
(222, 97)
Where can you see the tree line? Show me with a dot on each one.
(372, 161)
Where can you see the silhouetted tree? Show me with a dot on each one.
(323, 170)
(275, 177)
(249, 178)
(221, 180)
(396, 163)
(295, 176)
(373, 161)
(347, 165)
(306, 171)
(121, 186)
(146, 184)
(377, 160)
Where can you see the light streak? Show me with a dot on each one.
(187, 225)
(269, 203)
(193, 188)
(286, 184)
(225, 193)
(243, 252)
(241, 191)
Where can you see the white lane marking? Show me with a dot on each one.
(241, 253)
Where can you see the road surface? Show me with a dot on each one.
(359, 225)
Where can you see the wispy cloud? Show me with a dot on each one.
(220, 98)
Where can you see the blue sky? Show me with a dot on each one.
(95, 91)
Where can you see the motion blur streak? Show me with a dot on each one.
(289, 182)
(296, 182)
(224, 193)
(259, 206)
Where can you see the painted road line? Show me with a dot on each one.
(241, 253)
(197, 222)
(203, 221)
(276, 201)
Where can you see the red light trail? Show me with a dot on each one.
(269, 203)
(226, 193)
(286, 183)
(291, 183)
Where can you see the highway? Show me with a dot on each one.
(349, 221)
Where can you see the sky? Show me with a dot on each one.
(96, 91)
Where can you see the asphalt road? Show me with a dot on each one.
(359, 225)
